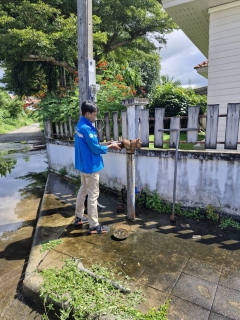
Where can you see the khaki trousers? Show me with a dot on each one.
(90, 187)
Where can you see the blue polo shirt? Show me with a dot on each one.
(88, 151)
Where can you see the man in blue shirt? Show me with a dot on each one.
(88, 160)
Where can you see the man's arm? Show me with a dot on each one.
(94, 145)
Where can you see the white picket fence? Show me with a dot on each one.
(110, 128)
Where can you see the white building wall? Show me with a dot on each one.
(224, 59)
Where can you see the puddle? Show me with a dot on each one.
(21, 177)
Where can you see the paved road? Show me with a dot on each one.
(31, 132)
(18, 218)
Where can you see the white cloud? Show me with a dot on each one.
(179, 58)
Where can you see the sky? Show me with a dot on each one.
(179, 58)
(1, 74)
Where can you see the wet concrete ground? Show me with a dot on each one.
(19, 205)
(201, 277)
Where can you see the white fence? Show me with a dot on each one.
(110, 128)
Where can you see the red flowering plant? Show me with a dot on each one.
(58, 106)
(116, 84)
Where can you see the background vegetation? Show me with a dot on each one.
(40, 53)
(12, 113)
(40, 40)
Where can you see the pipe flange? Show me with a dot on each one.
(120, 207)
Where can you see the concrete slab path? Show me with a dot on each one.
(201, 277)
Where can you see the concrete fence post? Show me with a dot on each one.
(212, 126)
(158, 124)
(232, 126)
(107, 126)
(193, 113)
(115, 125)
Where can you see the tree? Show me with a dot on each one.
(36, 34)
(46, 31)
(124, 22)
(129, 27)
(117, 83)
(26, 78)
(37, 31)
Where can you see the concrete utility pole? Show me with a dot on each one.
(85, 47)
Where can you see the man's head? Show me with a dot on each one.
(89, 110)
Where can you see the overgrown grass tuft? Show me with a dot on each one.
(82, 296)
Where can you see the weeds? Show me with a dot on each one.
(85, 297)
(48, 245)
(211, 213)
(229, 222)
(63, 171)
(76, 181)
(194, 213)
(154, 202)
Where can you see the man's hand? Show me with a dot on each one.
(115, 145)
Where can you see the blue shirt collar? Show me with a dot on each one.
(86, 121)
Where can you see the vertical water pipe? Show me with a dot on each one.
(131, 125)
(131, 105)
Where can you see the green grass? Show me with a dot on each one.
(85, 297)
(182, 145)
(166, 139)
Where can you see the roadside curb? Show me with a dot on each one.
(46, 230)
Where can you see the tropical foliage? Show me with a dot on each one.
(57, 107)
(116, 84)
(40, 38)
(175, 99)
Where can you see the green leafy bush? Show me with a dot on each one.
(175, 100)
(116, 84)
(57, 107)
(15, 108)
(12, 114)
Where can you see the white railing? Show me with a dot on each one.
(115, 127)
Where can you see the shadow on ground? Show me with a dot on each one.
(193, 263)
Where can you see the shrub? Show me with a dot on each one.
(175, 100)
(57, 107)
(15, 107)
